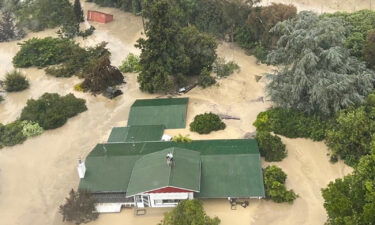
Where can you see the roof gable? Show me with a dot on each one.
(151, 171)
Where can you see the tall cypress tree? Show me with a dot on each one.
(172, 51)
(160, 50)
(78, 11)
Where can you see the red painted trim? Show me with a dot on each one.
(169, 190)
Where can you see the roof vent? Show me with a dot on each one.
(169, 159)
(81, 168)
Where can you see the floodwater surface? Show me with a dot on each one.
(36, 176)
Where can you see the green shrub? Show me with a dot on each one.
(65, 58)
(15, 81)
(1, 98)
(130, 64)
(270, 146)
(224, 69)
(43, 52)
(274, 181)
(87, 32)
(51, 110)
(205, 123)
(205, 79)
(31, 129)
(181, 138)
(79, 62)
(11, 134)
(78, 87)
(292, 124)
(260, 52)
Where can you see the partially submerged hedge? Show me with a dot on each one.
(11, 134)
(270, 146)
(43, 52)
(52, 111)
(17, 132)
(292, 124)
(65, 58)
(207, 122)
(274, 181)
(48, 112)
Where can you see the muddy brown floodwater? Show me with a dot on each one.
(36, 176)
(321, 6)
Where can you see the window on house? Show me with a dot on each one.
(171, 201)
(158, 202)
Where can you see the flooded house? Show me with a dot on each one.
(136, 168)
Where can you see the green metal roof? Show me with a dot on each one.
(108, 173)
(230, 168)
(136, 133)
(238, 175)
(151, 171)
(170, 112)
(161, 101)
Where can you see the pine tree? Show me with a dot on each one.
(316, 74)
(160, 51)
(9, 29)
(78, 11)
(172, 51)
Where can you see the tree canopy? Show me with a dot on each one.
(316, 73)
(100, 75)
(349, 138)
(171, 50)
(38, 15)
(79, 207)
(189, 212)
(78, 11)
(358, 25)
(351, 200)
(9, 27)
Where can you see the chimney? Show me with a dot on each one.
(169, 159)
(81, 168)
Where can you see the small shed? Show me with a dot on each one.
(99, 16)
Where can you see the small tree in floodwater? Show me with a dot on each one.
(100, 75)
(79, 207)
(9, 29)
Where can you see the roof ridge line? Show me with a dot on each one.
(171, 167)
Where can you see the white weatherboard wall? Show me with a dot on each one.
(168, 196)
(111, 207)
